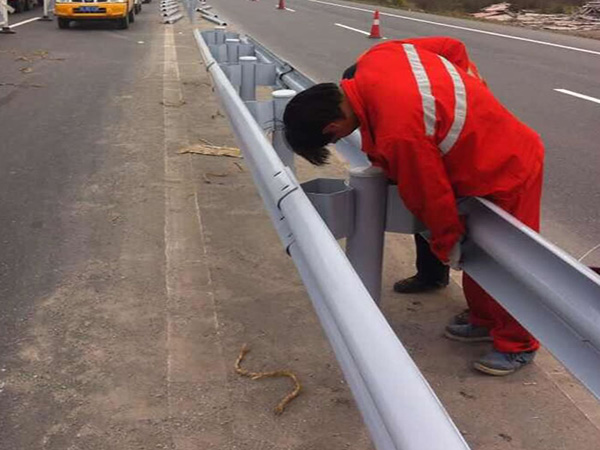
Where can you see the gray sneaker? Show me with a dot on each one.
(467, 333)
(461, 319)
(500, 364)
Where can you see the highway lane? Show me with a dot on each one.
(60, 88)
(524, 68)
(81, 139)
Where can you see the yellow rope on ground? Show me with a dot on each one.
(276, 373)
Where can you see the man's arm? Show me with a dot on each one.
(425, 189)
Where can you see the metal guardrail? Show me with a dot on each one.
(194, 6)
(212, 18)
(549, 292)
(398, 406)
(169, 10)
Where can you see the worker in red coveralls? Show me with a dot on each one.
(431, 124)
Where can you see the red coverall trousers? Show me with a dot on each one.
(508, 335)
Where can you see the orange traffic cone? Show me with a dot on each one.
(375, 31)
(281, 4)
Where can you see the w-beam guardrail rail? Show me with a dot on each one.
(206, 15)
(170, 12)
(398, 406)
(548, 291)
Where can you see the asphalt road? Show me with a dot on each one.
(523, 68)
(57, 99)
(79, 208)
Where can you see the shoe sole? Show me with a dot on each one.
(491, 371)
(458, 322)
(419, 291)
(454, 337)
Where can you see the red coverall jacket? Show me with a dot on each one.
(432, 125)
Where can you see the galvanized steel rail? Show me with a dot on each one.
(549, 292)
(398, 406)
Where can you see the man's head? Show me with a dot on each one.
(316, 117)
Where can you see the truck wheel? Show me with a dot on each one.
(123, 24)
(63, 23)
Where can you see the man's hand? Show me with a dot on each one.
(455, 256)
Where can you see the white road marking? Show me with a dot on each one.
(575, 94)
(24, 22)
(350, 28)
(474, 30)
(355, 29)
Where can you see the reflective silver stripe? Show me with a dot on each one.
(424, 88)
(460, 108)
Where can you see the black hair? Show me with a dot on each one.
(350, 72)
(305, 117)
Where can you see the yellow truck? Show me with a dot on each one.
(120, 11)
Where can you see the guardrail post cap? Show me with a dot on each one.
(283, 93)
(366, 172)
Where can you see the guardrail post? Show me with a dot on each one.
(45, 17)
(280, 100)
(220, 34)
(192, 11)
(364, 247)
(233, 50)
(248, 87)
